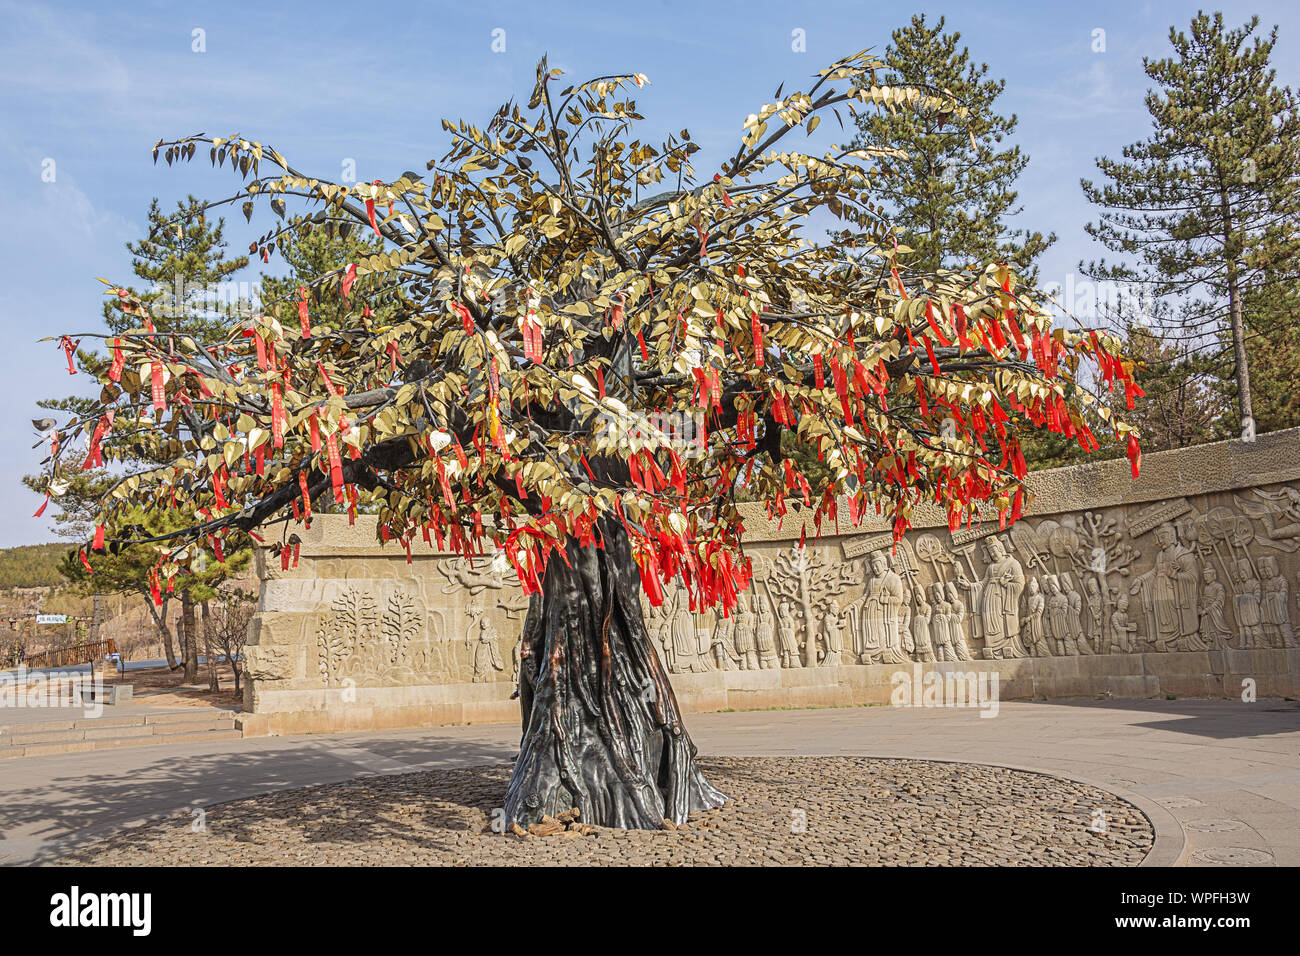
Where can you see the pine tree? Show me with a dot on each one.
(952, 193)
(1182, 405)
(1271, 308)
(184, 260)
(1203, 211)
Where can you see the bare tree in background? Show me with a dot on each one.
(226, 621)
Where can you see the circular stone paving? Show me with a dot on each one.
(784, 810)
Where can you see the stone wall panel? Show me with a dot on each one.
(1185, 582)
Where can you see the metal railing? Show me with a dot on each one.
(77, 654)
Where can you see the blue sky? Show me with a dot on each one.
(91, 86)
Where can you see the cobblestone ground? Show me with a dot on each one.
(784, 810)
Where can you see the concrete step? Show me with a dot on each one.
(43, 738)
(192, 727)
(7, 729)
(100, 733)
(178, 717)
(134, 720)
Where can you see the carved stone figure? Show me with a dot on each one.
(973, 598)
(475, 576)
(957, 623)
(1038, 643)
(788, 635)
(1077, 641)
(1214, 600)
(905, 622)
(922, 644)
(746, 622)
(939, 624)
(1247, 601)
(765, 637)
(686, 652)
(1058, 613)
(1096, 629)
(482, 637)
(659, 625)
(832, 633)
(879, 615)
(722, 642)
(1276, 609)
(999, 608)
(1279, 512)
(1169, 594)
(1121, 630)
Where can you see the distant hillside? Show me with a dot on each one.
(32, 565)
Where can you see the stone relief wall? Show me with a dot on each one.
(380, 622)
(1198, 559)
(1169, 576)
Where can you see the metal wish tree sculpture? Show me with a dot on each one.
(572, 352)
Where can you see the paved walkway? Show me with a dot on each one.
(1220, 779)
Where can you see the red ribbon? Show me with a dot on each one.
(218, 489)
(370, 213)
(959, 313)
(934, 326)
(94, 458)
(1134, 454)
(466, 319)
(328, 383)
(336, 467)
(119, 361)
(929, 350)
(68, 347)
(159, 394)
(303, 319)
(277, 416)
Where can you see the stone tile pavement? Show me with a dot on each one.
(1219, 779)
